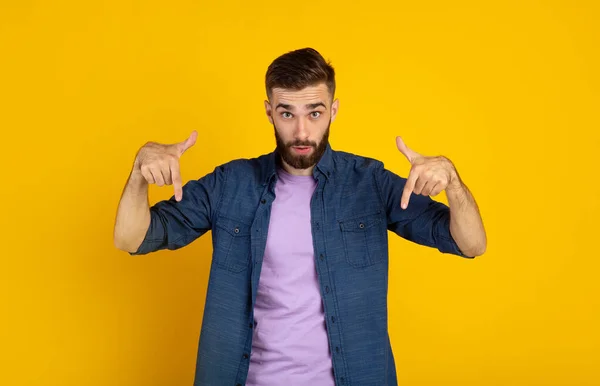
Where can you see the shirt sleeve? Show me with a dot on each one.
(176, 224)
(424, 221)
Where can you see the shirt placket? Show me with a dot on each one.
(328, 294)
(257, 247)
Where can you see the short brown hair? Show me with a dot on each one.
(299, 69)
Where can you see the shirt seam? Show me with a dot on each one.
(221, 195)
(378, 188)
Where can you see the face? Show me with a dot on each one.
(301, 119)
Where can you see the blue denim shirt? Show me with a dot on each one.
(354, 205)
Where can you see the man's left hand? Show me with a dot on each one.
(428, 176)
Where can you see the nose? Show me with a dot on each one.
(301, 132)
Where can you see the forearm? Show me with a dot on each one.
(466, 225)
(133, 214)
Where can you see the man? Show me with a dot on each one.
(297, 292)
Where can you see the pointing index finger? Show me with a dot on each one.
(409, 186)
(176, 177)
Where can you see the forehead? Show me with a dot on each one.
(308, 95)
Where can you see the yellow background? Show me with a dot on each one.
(508, 90)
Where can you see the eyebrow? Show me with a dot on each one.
(309, 106)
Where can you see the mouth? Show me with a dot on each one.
(302, 149)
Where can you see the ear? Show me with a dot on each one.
(269, 111)
(334, 109)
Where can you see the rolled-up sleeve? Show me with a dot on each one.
(424, 221)
(176, 224)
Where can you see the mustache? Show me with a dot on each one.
(301, 143)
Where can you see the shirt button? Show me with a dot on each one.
(263, 201)
(337, 350)
(361, 225)
(245, 356)
(236, 230)
(251, 325)
(238, 384)
(327, 289)
(322, 257)
(333, 319)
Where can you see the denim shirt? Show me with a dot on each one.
(355, 204)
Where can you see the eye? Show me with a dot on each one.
(315, 114)
(286, 114)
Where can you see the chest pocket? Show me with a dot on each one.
(365, 239)
(231, 244)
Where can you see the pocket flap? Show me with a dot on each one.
(360, 224)
(235, 227)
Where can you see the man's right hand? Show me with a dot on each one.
(159, 164)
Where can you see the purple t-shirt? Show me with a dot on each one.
(290, 345)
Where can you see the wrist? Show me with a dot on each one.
(455, 184)
(136, 179)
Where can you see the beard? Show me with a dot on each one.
(299, 161)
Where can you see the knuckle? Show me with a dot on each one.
(418, 168)
(169, 157)
(162, 164)
(151, 168)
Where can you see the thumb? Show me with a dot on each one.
(410, 154)
(189, 142)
